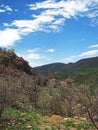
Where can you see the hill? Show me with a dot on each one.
(80, 71)
(81, 64)
(10, 63)
(38, 102)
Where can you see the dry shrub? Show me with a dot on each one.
(56, 119)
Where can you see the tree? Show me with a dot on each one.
(2, 97)
(89, 102)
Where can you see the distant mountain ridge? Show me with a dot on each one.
(81, 64)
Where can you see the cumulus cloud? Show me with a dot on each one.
(34, 57)
(50, 16)
(6, 8)
(31, 54)
(34, 60)
(53, 14)
(8, 37)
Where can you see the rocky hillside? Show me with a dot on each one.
(22, 92)
(20, 87)
(10, 63)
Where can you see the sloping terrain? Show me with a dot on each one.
(36, 120)
(10, 63)
(81, 64)
(81, 71)
(23, 94)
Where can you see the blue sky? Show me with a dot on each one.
(48, 31)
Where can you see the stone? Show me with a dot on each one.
(29, 127)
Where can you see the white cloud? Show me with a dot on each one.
(93, 14)
(38, 24)
(59, 21)
(25, 26)
(69, 59)
(28, 26)
(6, 24)
(66, 5)
(89, 53)
(51, 50)
(33, 50)
(2, 10)
(36, 64)
(94, 46)
(8, 8)
(82, 55)
(8, 37)
(5, 8)
(34, 56)
(50, 16)
(31, 54)
(34, 60)
(62, 10)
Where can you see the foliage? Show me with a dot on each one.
(70, 123)
(10, 63)
(12, 112)
(34, 121)
(85, 125)
(22, 94)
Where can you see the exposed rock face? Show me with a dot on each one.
(10, 63)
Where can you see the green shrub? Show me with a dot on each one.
(12, 112)
(85, 125)
(70, 123)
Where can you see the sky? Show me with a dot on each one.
(49, 31)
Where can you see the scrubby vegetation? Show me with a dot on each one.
(34, 120)
(36, 102)
(83, 71)
(10, 63)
